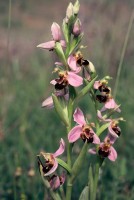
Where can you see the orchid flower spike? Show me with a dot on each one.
(51, 164)
(56, 34)
(82, 130)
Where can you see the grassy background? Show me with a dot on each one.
(25, 73)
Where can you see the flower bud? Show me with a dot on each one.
(56, 32)
(77, 28)
(69, 11)
(92, 68)
(76, 7)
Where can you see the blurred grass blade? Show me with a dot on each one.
(123, 53)
(91, 182)
(84, 194)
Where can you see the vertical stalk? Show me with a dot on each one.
(96, 177)
(123, 53)
(8, 35)
(69, 184)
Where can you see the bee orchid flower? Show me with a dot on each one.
(82, 130)
(105, 150)
(50, 163)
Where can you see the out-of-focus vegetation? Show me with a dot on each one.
(25, 73)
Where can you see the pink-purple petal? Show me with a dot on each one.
(97, 84)
(48, 103)
(72, 62)
(74, 134)
(63, 43)
(92, 151)
(74, 79)
(113, 154)
(53, 168)
(110, 104)
(55, 182)
(101, 118)
(53, 82)
(61, 148)
(96, 139)
(111, 131)
(79, 117)
(47, 45)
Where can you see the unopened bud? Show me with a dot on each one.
(92, 68)
(69, 11)
(56, 31)
(76, 7)
(77, 28)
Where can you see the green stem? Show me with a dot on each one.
(69, 189)
(123, 53)
(69, 184)
(95, 181)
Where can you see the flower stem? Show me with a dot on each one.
(69, 189)
(69, 184)
(95, 181)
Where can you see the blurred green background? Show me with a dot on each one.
(25, 73)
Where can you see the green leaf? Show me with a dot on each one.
(61, 110)
(65, 31)
(64, 165)
(85, 90)
(75, 42)
(102, 128)
(60, 53)
(84, 194)
(79, 162)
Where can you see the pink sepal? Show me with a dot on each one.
(96, 139)
(74, 79)
(61, 148)
(101, 118)
(47, 45)
(97, 84)
(79, 117)
(74, 134)
(72, 64)
(48, 103)
(113, 154)
(92, 151)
